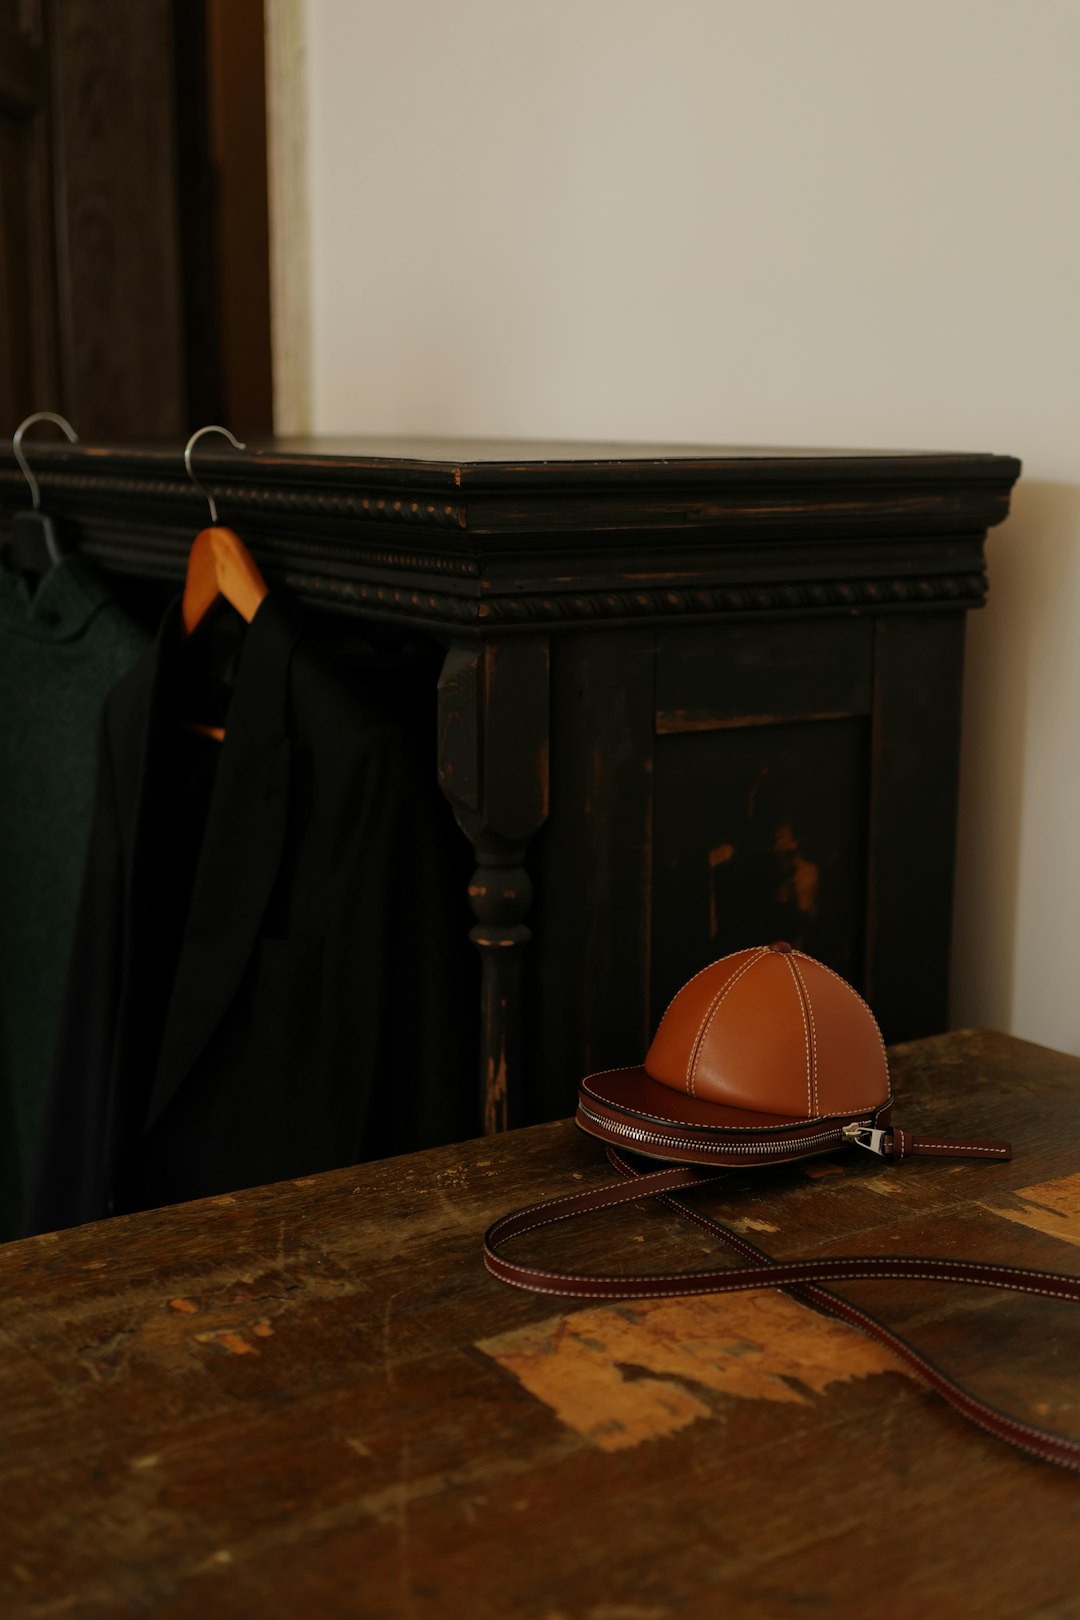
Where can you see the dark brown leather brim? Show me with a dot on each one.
(635, 1092)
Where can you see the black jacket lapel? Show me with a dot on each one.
(134, 718)
(240, 854)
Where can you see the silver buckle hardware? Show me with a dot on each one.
(867, 1136)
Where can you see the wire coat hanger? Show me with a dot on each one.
(219, 563)
(20, 456)
(34, 547)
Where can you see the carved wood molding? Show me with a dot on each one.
(164, 551)
(368, 582)
(370, 507)
(390, 583)
(809, 596)
(373, 600)
(957, 591)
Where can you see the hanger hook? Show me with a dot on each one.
(16, 445)
(211, 428)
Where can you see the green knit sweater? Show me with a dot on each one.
(62, 646)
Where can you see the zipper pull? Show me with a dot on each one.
(868, 1137)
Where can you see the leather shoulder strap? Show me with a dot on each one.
(799, 1278)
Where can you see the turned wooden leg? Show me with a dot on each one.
(493, 768)
(500, 894)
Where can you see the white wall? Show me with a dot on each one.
(829, 222)
(290, 223)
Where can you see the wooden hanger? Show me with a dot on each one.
(219, 564)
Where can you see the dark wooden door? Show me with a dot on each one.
(134, 263)
(29, 375)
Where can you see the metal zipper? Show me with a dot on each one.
(635, 1134)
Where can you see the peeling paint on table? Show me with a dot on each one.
(621, 1374)
(1052, 1207)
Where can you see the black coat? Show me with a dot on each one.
(63, 646)
(271, 973)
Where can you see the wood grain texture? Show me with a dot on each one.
(759, 835)
(120, 282)
(29, 316)
(126, 303)
(273, 1404)
(911, 826)
(712, 677)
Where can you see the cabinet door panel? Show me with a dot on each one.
(759, 834)
(712, 676)
(588, 965)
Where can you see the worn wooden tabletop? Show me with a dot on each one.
(310, 1399)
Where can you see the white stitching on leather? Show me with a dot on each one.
(813, 1030)
(810, 1099)
(718, 1000)
(676, 1286)
(845, 1311)
(968, 1147)
(1004, 1417)
(652, 1191)
(729, 984)
(705, 969)
(1061, 1441)
(962, 1405)
(650, 1178)
(855, 993)
(663, 1119)
(827, 1260)
(620, 1068)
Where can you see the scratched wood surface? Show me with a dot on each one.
(310, 1399)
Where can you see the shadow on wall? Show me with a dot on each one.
(1018, 736)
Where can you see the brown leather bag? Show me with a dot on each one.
(766, 1057)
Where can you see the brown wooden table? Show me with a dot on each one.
(311, 1400)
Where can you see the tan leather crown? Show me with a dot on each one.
(772, 1031)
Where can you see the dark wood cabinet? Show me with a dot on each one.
(688, 699)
